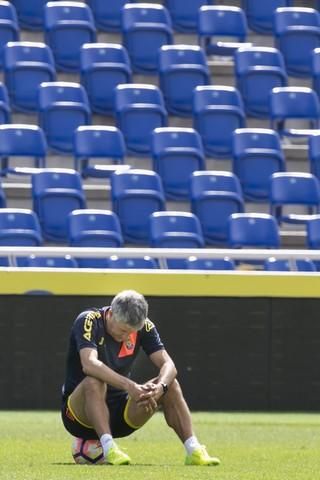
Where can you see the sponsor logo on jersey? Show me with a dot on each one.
(88, 322)
(127, 348)
(148, 325)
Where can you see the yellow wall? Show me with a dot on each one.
(161, 283)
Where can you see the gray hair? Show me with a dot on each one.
(130, 307)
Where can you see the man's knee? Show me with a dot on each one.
(93, 387)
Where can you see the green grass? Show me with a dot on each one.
(34, 446)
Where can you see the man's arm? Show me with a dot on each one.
(167, 371)
(93, 367)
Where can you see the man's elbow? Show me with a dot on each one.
(87, 368)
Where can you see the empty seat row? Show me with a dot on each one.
(136, 194)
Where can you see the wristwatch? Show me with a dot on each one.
(165, 388)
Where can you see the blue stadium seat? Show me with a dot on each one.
(314, 153)
(24, 143)
(3, 200)
(294, 196)
(145, 28)
(194, 263)
(253, 230)
(30, 13)
(258, 70)
(19, 227)
(175, 230)
(94, 228)
(313, 232)
(181, 69)
(218, 192)
(315, 70)
(257, 154)
(279, 265)
(135, 195)
(220, 21)
(129, 263)
(63, 107)
(95, 146)
(177, 152)
(299, 105)
(217, 112)
(68, 25)
(51, 262)
(9, 28)
(55, 193)
(26, 66)
(103, 67)
(107, 14)
(184, 14)
(260, 14)
(139, 109)
(5, 112)
(297, 26)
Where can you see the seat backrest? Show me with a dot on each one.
(99, 141)
(136, 14)
(135, 180)
(107, 14)
(247, 57)
(89, 222)
(214, 181)
(253, 230)
(175, 229)
(246, 139)
(294, 188)
(314, 153)
(129, 263)
(177, 56)
(19, 218)
(54, 92)
(170, 138)
(112, 54)
(294, 102)
(22, 140)
(137, 93)
(220, 95)
(287, 17)
(194, 263)
(51, 262)
(184, 13)
(62, 12)
(222, 20)
(279, 265)
(260, 15)
(52, 178)
(27, 52)
(8, 12)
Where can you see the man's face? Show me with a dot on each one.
(119, 331)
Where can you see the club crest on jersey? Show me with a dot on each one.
(127, 348)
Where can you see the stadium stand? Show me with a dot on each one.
(253, 230)
(51, 262)
(302, 265)
(144, 262)
(95, 55)
(194, 263)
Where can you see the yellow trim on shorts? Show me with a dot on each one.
(126, 418)
(75, 416)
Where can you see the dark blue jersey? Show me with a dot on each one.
(89, 331)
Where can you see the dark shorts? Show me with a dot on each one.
(118, 424)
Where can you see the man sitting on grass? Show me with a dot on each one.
(100, 401)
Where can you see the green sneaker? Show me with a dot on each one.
(200, 456)
(116, 456)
